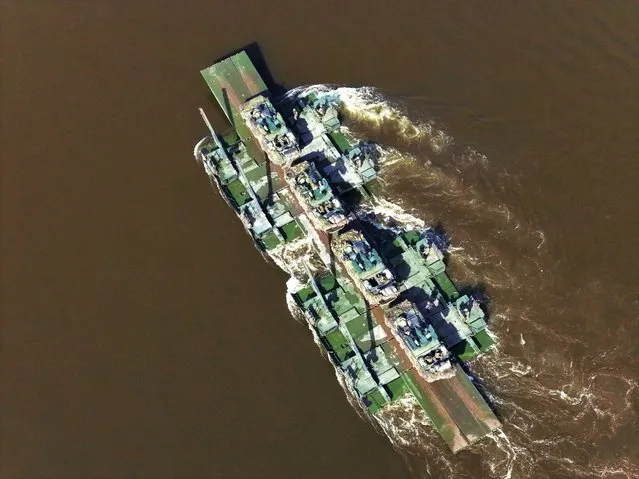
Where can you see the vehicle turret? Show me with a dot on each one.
(418, 337)
(268, 127)
(367, 266)
(314, 191)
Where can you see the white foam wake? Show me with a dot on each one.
(415, 193)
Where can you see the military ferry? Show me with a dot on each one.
(382, 305)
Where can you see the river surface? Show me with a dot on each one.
(143, 336)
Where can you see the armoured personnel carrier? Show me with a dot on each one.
(270, 130)
(316, 196)
(365, 266)
(317, 109)
(391, 320)
(420, 341)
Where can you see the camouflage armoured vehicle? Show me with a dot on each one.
(366, 267)
(316, 196)
(270, 130)
(420, 341)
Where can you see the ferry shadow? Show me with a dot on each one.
(371, 356)
(331, 255)
(269, 183)
(370, 324)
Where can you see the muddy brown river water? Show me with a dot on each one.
(143, 336)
